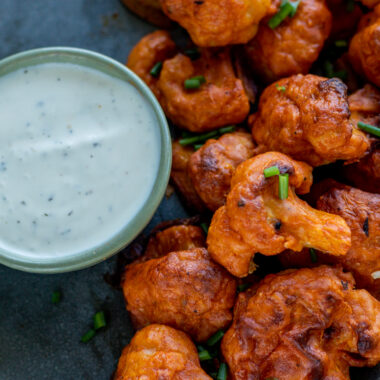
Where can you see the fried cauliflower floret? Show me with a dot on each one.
(303, 324)
(217, 22)
(294, 45)
(180, 177)
(160, 352)
(254, 219)
(175, 238)
(307, 117)
(364, 50)
(361, 211)
(149, 10)
(218, 102)
(151, 49)
(184, 289)
(212, 166)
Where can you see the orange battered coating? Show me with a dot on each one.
(181, 179)
(303, 324)
(365, 107)
(309, 121)
(212, 166)
(220, 101)
(159, 352)
(154, 47)
(217, 22)
(294, 45)
(361, 211)
(364, 50)
(184, 289)
(254, 219)
(175, 238)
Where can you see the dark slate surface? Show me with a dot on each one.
(39, 340)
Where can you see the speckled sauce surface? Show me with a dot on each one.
(39, 340)
(56, 154)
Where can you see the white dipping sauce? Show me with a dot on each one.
(79, 154)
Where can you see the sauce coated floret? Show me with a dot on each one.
(303, 324)
(212, 166)
(183, 289)
(219, 101)
(361, 211)
(254, 219)
(307, 117)
(294, 45)
(160, 352)
(364, 51)
(217, 22)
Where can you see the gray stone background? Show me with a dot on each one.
(39, 340)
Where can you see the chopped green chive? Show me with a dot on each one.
(313, 255)
(215, 338)
(280, 88)
(329, 69)
(283, 185)
(194, 82)
(200, 139)
(197, 146)
(272, 171)
(185, 134)
(330, 73)
(204, 227)
(56, 297)
(369, 128)
(99, 320)
(287, 8)
(341, 43)
(341, 74)
(350, 6)
(193, 54)
(88, 336)
(222, 373)
(156, 69)
(228, 129)
(204, 355)
(243, 287)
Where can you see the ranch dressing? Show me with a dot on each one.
(79, 153)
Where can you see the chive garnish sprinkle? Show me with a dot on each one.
(88, 336)
(287, 8)
(156, 69)
(215, 338)
(283, 186)
(99, 320)
(272, 171)
(369, 128)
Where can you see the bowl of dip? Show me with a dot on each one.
(85, 157)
